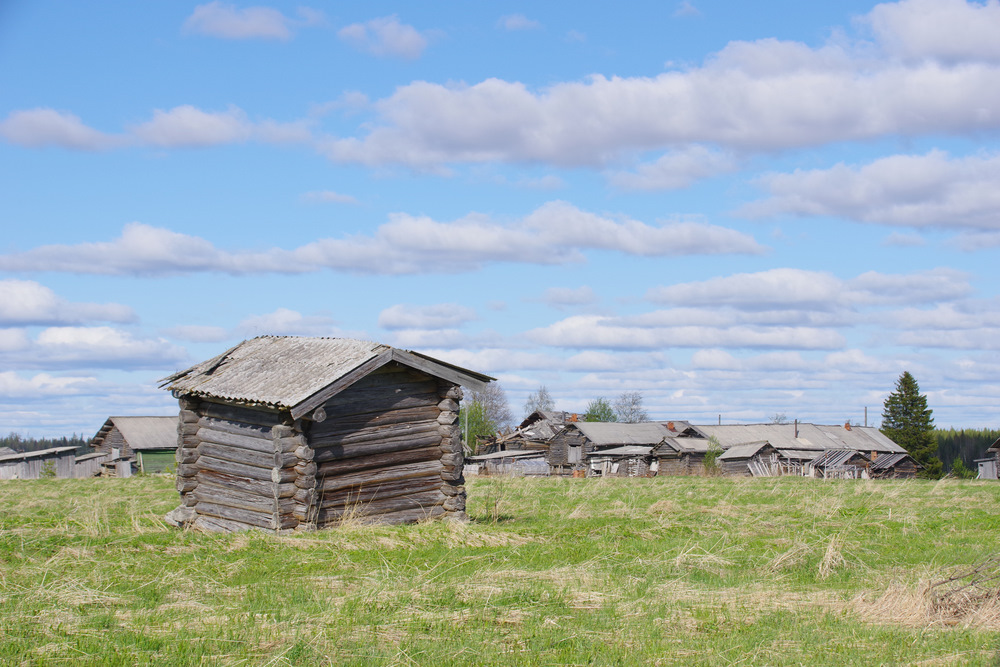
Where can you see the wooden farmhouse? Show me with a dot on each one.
(626, 461)
(570, 448)
(533, 433)
(757, 459)
(682, 451)
(126, 439)
(296, 433)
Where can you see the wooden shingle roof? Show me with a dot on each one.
(300, 374)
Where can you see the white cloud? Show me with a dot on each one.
(41, 127)
(589, 331)
(439, 316)
(931, 190)
(385, 36)
(517, 22)
(198, 333)
(189, 127)
(569, 296)
(17, 387)
(329, 197)
(685, 8)
(93, 347)
(800, 289)
(674, 170)
(24, 302)
(220, 19)
(947, 30)
(555, 233)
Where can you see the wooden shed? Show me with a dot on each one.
(130, 438)
(570, 447)
(627, 461)
(52, 462)
(894, 466)
(284, 432)
(757, 459)
(840, 464)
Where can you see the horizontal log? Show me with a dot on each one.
(389, 518)
(360, 463)
(304, 496)
(188, 417)
(449, 489)
(339, 452)
(305, 482)
(379, 476)
(305, 453)
(246, 442)
(446, 418)
(352, 423)
(237, 454)
(207, 492)
(243, 470)
(306, 469)
(265, 488)
(262, 432)
(189, 499)
(448, 405)
(185, 455)
(453, 474)
(187, 469)
(421, 500)
(377, 434)
(366, 494)
(453, 459)
(249, 517)
(213, 524)
(385, 403)
(185, 484)
(243, 415)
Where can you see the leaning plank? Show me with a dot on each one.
(358, 464)
(334, 452)
(370, 477)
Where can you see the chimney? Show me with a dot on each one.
(847, 425)
(796, 428)
(573, 417)
(670, 426)
(874, 455)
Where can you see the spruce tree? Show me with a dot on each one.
(907, 421)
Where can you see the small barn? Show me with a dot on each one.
(894, 466)
(52, 462)
(138, 439)
(988, 466)
(90, 465)
(570, 447)
(757, 459)
(513, 462)
(627, 461)
(284, 432)
(839, 464)
(682, 452)
(533, 433)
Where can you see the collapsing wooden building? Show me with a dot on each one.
(284, 432)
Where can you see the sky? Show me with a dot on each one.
(738, 210)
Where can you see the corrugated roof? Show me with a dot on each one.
(800, 454)
(810, 436)
(4, 451)
(743, 451)
(627, 450)
(509, 454)
(38, 453)
(613, 433)
(141, 432)
(832, 458)
(886, 461)
(287, 371)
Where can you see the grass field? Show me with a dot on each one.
(669, 571)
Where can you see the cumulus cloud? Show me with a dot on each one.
(189, 127)
(517, 22)
(438, 316)
(25, 302)
(42, 385)
(35, 128)
(385, 36)
(788, 288)
(931, 190)
(555, 233)
(946, 30)
(198, 333)
(89, 347)
(675, 170)
(225, 20)
(286, 322)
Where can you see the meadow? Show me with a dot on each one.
(663, 571)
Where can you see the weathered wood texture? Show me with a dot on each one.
(388, 450)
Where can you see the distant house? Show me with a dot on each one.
(757, 459)
(128, 438)
(533, 433)
(283, 432)
(625, 461)
(840, 464)
(570, 448)
(59, 461)
(989, 466)
(4, 451)
(514, 462)
(682, 451)
(894, 466)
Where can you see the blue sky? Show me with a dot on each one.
(737, 210)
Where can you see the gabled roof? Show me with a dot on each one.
(686, 445)
(744, 451)
(613, 433)
(36, 454)
(627, 450)
(4, 451)
(810, 436)
(300, 374)
(141, 432)
(886, 461)
(832, 458)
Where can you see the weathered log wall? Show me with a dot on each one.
(387, 451)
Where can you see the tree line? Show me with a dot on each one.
(22, 444)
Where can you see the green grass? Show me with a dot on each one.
(670, 571)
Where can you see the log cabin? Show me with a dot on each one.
(129, 438)
(284, 432)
